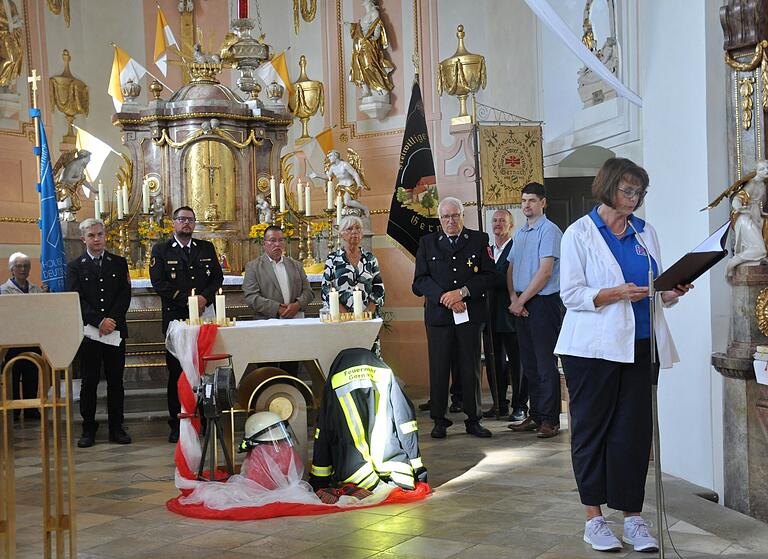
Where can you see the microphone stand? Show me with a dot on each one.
(654, 397)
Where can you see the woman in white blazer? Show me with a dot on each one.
(604, 345)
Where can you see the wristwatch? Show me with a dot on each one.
(464, 292)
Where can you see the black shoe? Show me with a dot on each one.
(174, 436)
(474, 428)
(439, 431)
(426, 406)
(119, 436)
(86, 440)
(491, 413)
(517, 415)
(456, 407)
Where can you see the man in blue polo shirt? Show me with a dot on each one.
(533, 281)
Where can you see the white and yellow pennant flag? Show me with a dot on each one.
(123, 68)
(163, 40)
(316, 150)
(276, 70)
(98, 149)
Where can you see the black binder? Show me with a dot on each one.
(696, 262)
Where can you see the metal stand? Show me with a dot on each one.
(654, 370)
(209, 443)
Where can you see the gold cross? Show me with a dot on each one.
(33, 79)
(469, 262)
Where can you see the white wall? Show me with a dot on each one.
(683, 123)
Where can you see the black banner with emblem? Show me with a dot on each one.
(413, 212)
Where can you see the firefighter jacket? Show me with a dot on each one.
(366, 428)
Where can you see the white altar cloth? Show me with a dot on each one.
(228, 280)
(298, 339)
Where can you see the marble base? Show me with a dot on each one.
(375, 106)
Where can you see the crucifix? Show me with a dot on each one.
(33, 79)
(211, 178)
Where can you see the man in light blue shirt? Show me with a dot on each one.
(533, 282)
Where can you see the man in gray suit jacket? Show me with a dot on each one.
(275, 285)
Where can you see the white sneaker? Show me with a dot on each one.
(599, 536)
(636, 534)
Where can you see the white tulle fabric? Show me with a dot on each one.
(181, 341)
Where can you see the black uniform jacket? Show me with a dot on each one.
(504, 321)
(174, 275)
(104, 292)
(441, 267)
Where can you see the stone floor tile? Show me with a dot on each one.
(275, 547)
(370, 539)
(335, 552)
(429, 548)
(484, 551)
(221, 540)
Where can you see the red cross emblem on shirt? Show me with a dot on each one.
(512, 161)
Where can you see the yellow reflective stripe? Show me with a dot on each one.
(380, 432)
(355, 426)
(408, 427)
(362, 472)
(317, 433)
(401, 479)
(416, 463)
(322, 471)
(392, 466)
(369, 482)
(359, 372)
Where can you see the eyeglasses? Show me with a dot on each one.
(449, 217)
(184, 219)
(631, 194)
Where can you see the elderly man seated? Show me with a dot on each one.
(275, 284)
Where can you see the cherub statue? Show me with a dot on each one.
(158, 207)
(69, 176)
(748, 196)
(350, 178)
(370, 68)
(265, 212)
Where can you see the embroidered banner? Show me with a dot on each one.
(510, 158)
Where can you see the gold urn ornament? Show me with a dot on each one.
(305, 99)
(461, 74)
(70, 96)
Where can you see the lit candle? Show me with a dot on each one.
(119, 199)
(96, 207)
(272, 191)
(333, 302)
(221, 309)
(307, 200)
(329, 194)
(101, 198)
(299, 192)
(145, 197)
(357, 303)
(126, 207)
(194, 310)
(282, 197)
(338, 209)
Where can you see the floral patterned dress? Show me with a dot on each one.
(344, 277)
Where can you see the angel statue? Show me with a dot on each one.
(262, 206)
(69, 176)
(370, 68)
(350, 178)
(748, 196)
(158, 207)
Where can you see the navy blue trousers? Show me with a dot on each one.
(537, 335)
(611, 428)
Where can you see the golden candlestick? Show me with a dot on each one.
(300, 215)
(461, 74)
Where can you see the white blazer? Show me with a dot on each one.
(587, 265)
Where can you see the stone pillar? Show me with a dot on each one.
(745, 415)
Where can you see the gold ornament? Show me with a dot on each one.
(461, 74)
(69, 95)
(11, 41)
(761, 311)
(308, 10)
(305, 99)
(57, 6)
(370, 68)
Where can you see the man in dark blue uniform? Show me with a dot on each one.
(178, 266)
(453, 272)
(101, 279)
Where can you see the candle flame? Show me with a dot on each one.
(193, 292)
(219, 290)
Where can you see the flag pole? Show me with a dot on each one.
(32, 80)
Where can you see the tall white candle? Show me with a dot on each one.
(282, 197)
(119, 199)
(333, 302)
(194, 311)
(338, 209)
(126, 206)
(357, 303)
(307, 200)
(101, 198)
(300, 196)
(145, 197)
(329, 195)
(221, 309)
(96, 207)
(272, 191)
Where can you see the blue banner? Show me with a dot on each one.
(53, 263)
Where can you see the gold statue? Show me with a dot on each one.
(370, 69)
(11, 44)
(69, 95)
(305, 99)
(461, 74)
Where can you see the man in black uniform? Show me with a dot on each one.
(454, 271)
(101, 279)
(178, 266)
